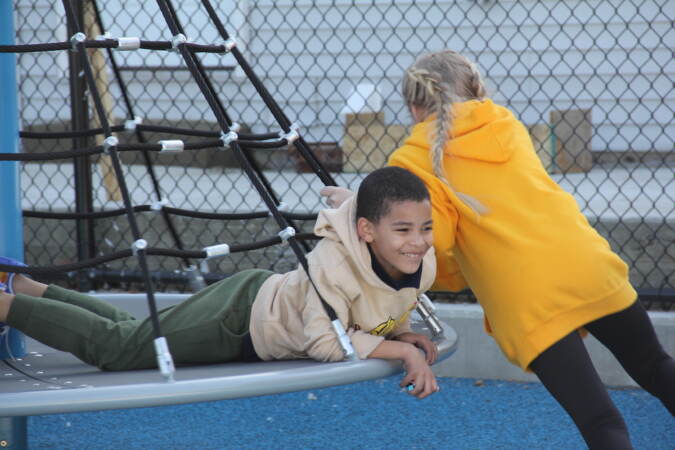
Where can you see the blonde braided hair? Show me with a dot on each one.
(434, 83)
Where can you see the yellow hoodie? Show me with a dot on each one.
(288, 320)
(537, 267)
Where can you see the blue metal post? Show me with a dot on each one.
(13, 430)
(11, 221)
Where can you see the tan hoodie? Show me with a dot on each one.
(288, 320)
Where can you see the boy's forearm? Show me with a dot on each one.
(394, 350)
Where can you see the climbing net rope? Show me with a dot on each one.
(228, 137)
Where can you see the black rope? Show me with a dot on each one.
(197, 70)
(173, 211)
(141, 138)
(153, 251)
(269, 101)
(210, 97)
(66, 134)
(254, 173)
(109, 44)
(244, 137)
(114, 157)
(47, 156)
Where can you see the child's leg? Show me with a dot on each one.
(95, 340)
(210, 326)
(32, 288)
(567, 372)
(630, 336)
(96, 305)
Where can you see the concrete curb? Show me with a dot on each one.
(478, 356)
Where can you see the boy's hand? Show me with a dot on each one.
(335, 195)
(423, 342)
(418, 371)
(419, 374)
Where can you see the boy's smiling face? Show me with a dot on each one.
(401, 238)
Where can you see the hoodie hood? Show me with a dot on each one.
(339, 225)
(482, 131)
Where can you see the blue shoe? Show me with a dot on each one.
(6, 281)
(8, 349)
(7, 278)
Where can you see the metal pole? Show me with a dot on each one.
(85, 231)
(11, 220)
(13, 430)
(13, 433)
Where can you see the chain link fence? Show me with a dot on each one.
(593, 81)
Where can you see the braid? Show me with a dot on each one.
(435, 83)
(444, 118)
(477, 85)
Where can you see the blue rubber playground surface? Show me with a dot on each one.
(466, 414)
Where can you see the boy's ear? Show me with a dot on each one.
(364, 228)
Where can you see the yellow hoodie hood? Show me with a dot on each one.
(481, 130)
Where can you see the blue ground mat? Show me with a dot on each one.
(466, 414)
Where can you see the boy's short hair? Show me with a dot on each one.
(384, 186)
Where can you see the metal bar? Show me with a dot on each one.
(11, 219)
(85, 237)
(13, 430)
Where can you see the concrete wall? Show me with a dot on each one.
(478, 356)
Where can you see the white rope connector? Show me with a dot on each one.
(229, 45)
(178, 39)
(140, 244)
(171, 146)
(158, 205)
(235, 127)
(164, 359)
(228, 137)
(130, 125)
(128, 43)
(286, 233)
(292, 134)
(77, 38)
(217, 250)
(108, 143)
(345, 342)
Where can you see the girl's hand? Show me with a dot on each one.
(335, 195)
(423, 342)
(419, 375)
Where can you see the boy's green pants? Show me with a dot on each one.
(208, 327)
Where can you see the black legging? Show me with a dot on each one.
(567, 372)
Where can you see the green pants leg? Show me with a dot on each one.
(208, 327)
(95, 305)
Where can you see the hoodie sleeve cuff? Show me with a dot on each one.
(364, 343)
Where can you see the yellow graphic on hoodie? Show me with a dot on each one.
(390, 324)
